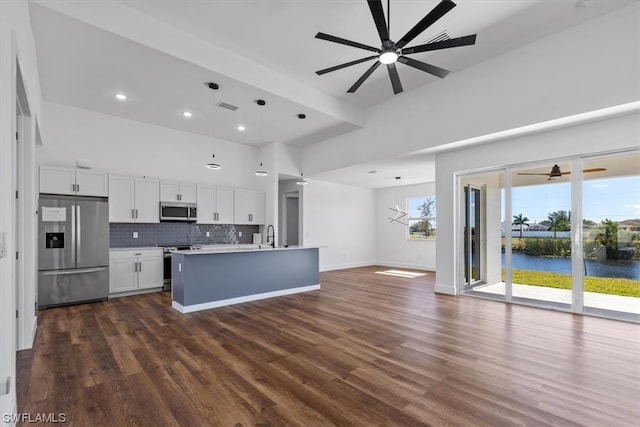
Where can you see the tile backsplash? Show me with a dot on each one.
(172, 233)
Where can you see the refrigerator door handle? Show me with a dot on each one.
(73, 235)
(68, 272)
(78, 239)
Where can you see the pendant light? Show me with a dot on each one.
(212, 164)
(302, 181)
(261, 103)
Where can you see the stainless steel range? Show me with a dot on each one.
(168, 250)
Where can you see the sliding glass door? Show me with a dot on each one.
(540, 233)
(611, 234)
(560, 234)
(482, 219)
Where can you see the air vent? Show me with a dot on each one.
(227, 106)
(439, 38)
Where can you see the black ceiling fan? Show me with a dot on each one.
(391, 51)
(557, 173)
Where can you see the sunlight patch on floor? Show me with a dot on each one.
(401, 273)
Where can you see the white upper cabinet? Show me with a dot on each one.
(134, 199)
(80, 182)
(249, 207)
(215, 205)
(224, 205)
(172, 191)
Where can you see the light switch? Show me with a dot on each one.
(239, 233)
(3, 244)
(135, 234)
(208, 234)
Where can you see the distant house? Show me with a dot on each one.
(537, 227)
(629, 225)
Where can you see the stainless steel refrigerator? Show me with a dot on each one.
(73, 250)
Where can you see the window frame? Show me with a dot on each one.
(410, 219)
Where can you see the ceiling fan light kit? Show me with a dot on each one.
(391, 52)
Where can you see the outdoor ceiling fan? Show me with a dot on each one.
(557, 173)
(391, 51)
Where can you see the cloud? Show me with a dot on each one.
(600, 185)
(636, 208)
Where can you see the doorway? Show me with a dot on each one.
(472, 231)
(292, 207)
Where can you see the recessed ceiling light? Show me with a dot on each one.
(120, 96)
(187, 114)
(241, 128)
(372, 172)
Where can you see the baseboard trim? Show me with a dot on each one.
(332, 267)
(406, 265)
(135, 292)
(445, 289)
(231, 301)
(34, 331)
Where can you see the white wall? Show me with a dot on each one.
(343, 219)
(16, 44)
(595, 137)
(577, 70)
(128, 147)
(393, 249)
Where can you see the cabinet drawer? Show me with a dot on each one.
(140, 253)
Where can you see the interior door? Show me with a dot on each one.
(472, 233)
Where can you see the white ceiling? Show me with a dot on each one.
(82, 65)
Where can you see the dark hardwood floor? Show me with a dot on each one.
(367, 349)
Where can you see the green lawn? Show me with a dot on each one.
(602, 285)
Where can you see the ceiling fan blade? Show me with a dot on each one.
(526, 173)
(378, 17)
(444, 44)
(594, 170)
(346, 42)
(346, 64)
(364, 77)
(431, 69)
(395, 78)
(438, 12)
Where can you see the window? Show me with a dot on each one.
(422, 217)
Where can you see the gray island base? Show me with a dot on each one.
(206, 279)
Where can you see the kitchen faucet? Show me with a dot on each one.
(273, 235)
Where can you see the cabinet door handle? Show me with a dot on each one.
(140, 266)
(133, 213)
(135, 267)
(78, 187)
(136, 213)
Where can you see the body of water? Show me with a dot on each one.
(623, 268)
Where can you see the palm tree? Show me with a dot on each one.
(520, 221)
(559, 221)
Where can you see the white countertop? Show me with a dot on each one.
(140, 248)
(220, 246)
(242, 248)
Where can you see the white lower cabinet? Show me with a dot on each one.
(132, 270)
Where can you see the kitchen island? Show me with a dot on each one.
(209, 278)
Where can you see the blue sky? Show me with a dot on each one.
(614, 198)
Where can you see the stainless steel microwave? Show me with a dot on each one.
(176, 211)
